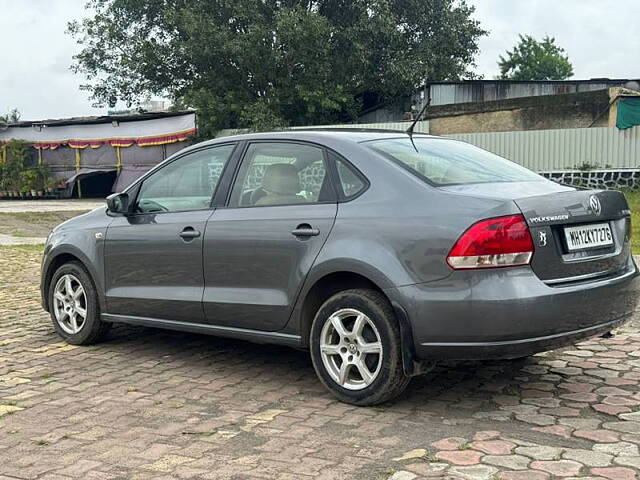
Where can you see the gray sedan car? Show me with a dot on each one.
(378, 252)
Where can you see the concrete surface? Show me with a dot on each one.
(16, 206)
(11, 240)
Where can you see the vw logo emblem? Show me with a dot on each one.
(594, 205)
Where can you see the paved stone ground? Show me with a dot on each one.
(148, 404)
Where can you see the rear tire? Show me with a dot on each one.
(73, 303)
(356, 350)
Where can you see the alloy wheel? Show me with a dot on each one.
(69, 304)
(351, 349)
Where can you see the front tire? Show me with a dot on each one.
(355, 348)
(73, 303)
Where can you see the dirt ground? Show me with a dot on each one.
(13, 206)
(28, 222)
(32, 224)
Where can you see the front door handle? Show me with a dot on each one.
(189, 233)
(305, 230)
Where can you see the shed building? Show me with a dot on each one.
(93, 156)
(475, 96)
(447, 93)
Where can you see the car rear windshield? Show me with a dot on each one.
(449, 162)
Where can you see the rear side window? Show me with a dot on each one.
(281, 174)
(351, 181)
(449, 162)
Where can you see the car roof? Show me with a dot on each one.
(356, 135)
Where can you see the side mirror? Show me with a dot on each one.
(118, 203)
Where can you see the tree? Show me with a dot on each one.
(533, 60)
(11, 117)
(270, 63)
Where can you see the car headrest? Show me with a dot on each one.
(282, 179)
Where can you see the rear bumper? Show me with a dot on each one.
(510, 313)
(512, 348)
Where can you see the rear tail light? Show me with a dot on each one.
(496, 242)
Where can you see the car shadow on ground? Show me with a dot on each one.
(450, 385)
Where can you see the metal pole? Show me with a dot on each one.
(78, 171)
(118, 161)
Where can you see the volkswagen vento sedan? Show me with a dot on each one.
(376, 251)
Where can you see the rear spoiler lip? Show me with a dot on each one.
(556, 211)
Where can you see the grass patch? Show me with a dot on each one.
(38, 248)
(511, 390)
(430, 458)
(633, 198)
(32, 224)
(39, 217)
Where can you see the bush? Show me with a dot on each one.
(29, 180)
(17, 156)
(17, 175)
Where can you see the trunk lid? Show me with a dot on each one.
(585, 213)
(578, 235)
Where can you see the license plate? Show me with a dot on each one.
(595, 235)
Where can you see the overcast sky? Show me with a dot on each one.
(601, 38)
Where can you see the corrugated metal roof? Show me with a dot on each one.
(576, 80)
(131, 117)
(445, 93)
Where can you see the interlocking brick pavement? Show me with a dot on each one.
(153, 404)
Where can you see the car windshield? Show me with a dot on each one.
(450, 162)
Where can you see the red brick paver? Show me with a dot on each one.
(153, 404)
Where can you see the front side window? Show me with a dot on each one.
(450, 162)
(185, 184)
(281, 174)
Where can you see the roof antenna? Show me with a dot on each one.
(415, 121)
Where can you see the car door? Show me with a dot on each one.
(260, 247)
(153, 256)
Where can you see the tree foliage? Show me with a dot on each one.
(534, 60)
(17, 152)
(11, 117)
(270, 63)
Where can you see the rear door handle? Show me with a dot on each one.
(189, 233)
(305, 230)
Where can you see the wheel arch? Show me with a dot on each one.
(331, 283)
(324, 288)
(57, 260)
